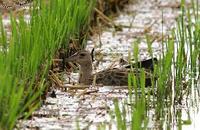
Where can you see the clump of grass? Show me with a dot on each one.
(26, 56)
(177, 75)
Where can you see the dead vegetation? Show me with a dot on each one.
(101, 17)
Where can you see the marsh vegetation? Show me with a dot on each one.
(27, 76)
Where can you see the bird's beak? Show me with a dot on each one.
(72, 58)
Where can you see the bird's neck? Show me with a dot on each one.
(85, 73)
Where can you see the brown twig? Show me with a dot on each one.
(55, 79)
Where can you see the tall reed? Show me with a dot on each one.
(26, 56)
(177, 75)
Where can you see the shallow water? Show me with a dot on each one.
(91, 107)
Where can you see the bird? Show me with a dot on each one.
(107, 77)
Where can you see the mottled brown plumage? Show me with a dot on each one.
(110, 76)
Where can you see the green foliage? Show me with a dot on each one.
(26, 56)
(120, 116)
(177, 75)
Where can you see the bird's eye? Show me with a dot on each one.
(82, 54)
